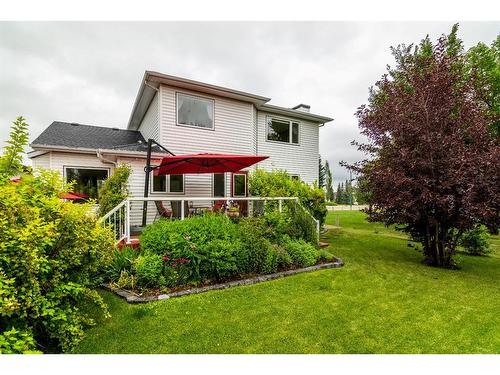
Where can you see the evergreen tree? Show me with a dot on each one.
(11, 162)
(321, 174)
(330, 195)
(340, 193)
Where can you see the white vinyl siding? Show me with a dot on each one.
(297, 159)
(59, 160)
(42, 161)
(233, 132)
(150, 125)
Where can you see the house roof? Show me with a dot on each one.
(152, 80)
(295, 113)
(89, 137)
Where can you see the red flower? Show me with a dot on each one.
(166, 258)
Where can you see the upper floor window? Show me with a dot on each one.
(282, 131)
(195, 111)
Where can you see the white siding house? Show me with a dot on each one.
(186, 117)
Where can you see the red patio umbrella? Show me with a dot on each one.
(205, 163)
(70, 195)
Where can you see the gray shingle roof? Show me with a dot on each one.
(72, 135)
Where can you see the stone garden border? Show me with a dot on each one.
(134, 298)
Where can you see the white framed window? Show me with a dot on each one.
(219, 185)
(168, 184)
(176, 183)
(86, 180)
(295, 177)
(159, 184)
(239, 185)
(284, 131)
(195, 111)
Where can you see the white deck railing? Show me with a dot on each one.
(119, 218)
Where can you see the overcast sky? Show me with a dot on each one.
(90, 72)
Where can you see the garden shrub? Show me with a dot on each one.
(253, 252)
(122, 260)
(278, 183)
(219, 259)
(325, 255)
(476, 241)
(127, 280)
(51, 253)
(284, 259)
(148, 269)
(114, 190)
(195, 240)
(303, 254)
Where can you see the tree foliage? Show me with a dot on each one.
(114, 189)
(434, 165)
(279, 184)
(321, 174)
(329, 193)
(483, 64)
(51, 252)
(11, 162)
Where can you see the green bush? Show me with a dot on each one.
(219, 259)
(279, 184)
(208, 243)
(114, 190)
(148, 269)
(284, 259)
(122, 260)
(476, 241)
(326, 256)
(51, 253)
(303, 254)
(252, 253)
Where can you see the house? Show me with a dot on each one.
(185, 117)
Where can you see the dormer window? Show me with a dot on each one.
(195, 111)
(285, 131)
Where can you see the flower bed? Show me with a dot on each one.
(212, 249)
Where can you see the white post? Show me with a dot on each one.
(182, 209)
(317, 229)
(127, 220)
(279, 205)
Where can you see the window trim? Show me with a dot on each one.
(167, 186)
(65, 175)
(177, 93)
(213, 185)
(183, 185)
(290, 130)
(233, 184)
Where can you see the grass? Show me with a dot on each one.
(382, 301)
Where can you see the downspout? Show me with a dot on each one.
(101, 158)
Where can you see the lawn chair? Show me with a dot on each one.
(162, 211)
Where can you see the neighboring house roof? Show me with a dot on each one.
(152, 80)
(89, 137)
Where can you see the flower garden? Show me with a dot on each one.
(214, 248)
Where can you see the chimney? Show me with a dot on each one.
(302, 107)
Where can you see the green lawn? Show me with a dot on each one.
(382, 301)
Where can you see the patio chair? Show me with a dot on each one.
(162, 211)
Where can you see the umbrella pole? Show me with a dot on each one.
(147, 170)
